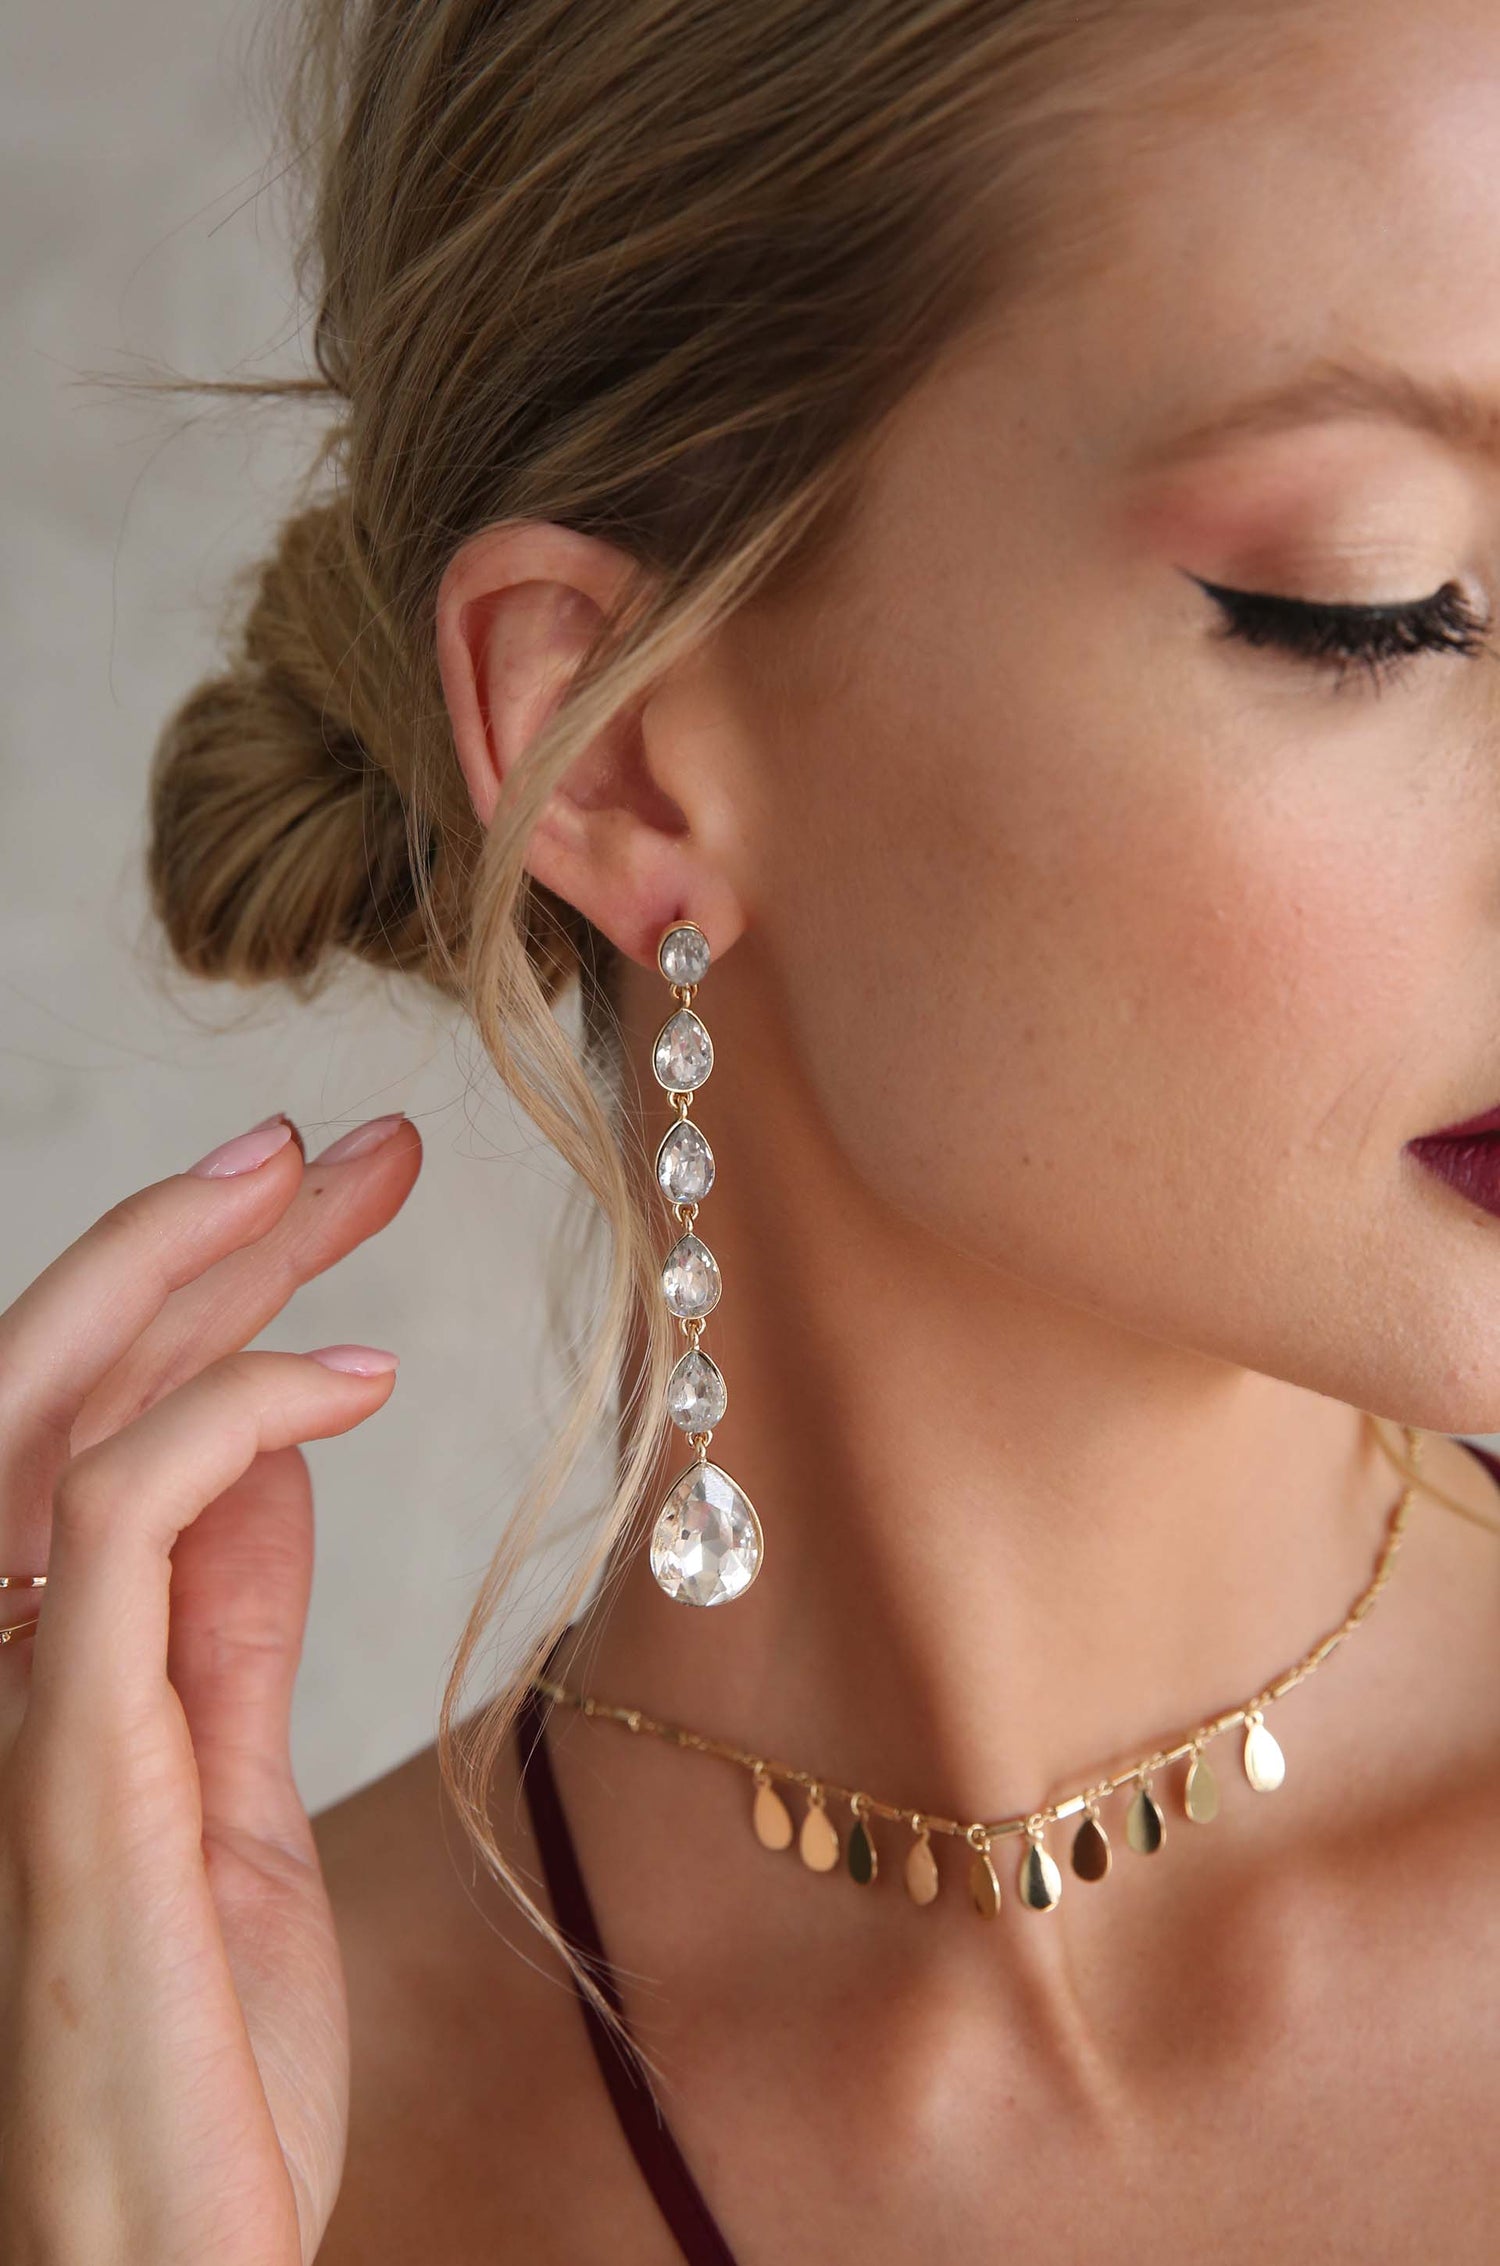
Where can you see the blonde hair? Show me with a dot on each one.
(656, 270)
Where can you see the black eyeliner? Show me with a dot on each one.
(1377, 636)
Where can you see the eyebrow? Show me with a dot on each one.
(1447, 409)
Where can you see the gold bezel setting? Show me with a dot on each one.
(746, 1551)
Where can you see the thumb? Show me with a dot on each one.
(241, 1579)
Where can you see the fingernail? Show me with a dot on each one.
(358, 1360)
(246, 1150)
(363, 1138)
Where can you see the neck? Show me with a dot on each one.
(1009, 1542)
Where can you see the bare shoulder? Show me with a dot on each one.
(479, 2129)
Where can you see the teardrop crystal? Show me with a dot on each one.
(684, 1162)
(922, 1881)
(690, 1277)
(862, 1860)
(1039, 1880)
(984, 1888)
(1091, 1853)
(1200, 1794)
(696, 1393)
(707, 1542)
(684, 1053)
(682, 954)
(1265, 1764)
(1145, 1826)
(818, 1842)
(771, 1817)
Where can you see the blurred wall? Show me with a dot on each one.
(132, 225)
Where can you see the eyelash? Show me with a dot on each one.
(1381, 639)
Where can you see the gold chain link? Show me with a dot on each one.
(980, 1832)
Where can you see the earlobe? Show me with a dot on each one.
(516, 611)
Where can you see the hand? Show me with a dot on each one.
(173, 2032)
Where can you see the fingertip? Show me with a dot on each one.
(356, 1360)
(363, 1140)
(247, 1152)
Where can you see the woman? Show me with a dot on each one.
(971, 528)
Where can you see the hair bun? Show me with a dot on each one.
(277, 833)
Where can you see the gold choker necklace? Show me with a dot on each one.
(1039, 1880)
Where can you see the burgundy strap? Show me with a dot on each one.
(677, 2194)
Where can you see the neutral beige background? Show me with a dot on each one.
(132, 225)
(132, 221)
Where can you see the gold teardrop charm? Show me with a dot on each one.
(1200, 1794)
(772, 1818)
(984, 1887)
(818, 1842)
(1265, 1764)
(1145, 1826)
(922, 1882)
(862, 1860)
(1091, 1850)
(1039, 1881)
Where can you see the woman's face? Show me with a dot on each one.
(1122, 953)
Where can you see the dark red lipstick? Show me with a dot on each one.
(1467, 1156)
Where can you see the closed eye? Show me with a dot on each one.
(1380, 639)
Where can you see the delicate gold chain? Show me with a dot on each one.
(980, 1832)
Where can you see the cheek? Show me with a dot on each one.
(1120, 966)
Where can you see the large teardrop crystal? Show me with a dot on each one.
(684, 1053)
(684, 1163)
(690, 1278)
(707, 1543)
(697, 1395)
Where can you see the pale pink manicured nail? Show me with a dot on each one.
(363, 1138)
(358, 1360)
(245, 1151)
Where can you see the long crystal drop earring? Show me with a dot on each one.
(707, 1545)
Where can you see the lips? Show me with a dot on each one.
(1467, 1156)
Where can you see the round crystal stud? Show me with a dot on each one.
(697, 1395)
(682, 954)
(684, 1052)
(690, 1278)
(684, 1163)
(706, 1546)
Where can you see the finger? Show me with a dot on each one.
(339, 1205)
(99, 1673)
(71, 1324)
(241, 1575)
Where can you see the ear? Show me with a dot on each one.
(516, 609)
